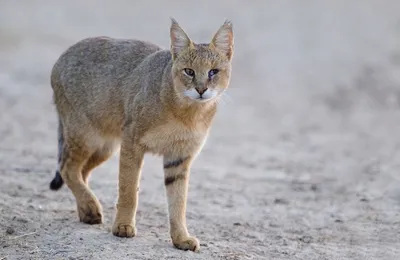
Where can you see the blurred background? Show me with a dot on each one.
(303, 159)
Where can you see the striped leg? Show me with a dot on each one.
(177, 171)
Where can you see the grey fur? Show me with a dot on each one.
(107, 65)
(60, 137)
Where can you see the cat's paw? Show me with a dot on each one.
(187, 243)
(124, 230)
(90, 212)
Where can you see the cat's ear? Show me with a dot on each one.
(179, 39)
(223, 39)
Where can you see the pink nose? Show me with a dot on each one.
(201, 91)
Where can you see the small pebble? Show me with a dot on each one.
(10, 230)
(281, 201)
(305, 239)
(314, 187)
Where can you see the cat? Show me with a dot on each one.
(134, 96)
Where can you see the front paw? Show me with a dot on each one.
(187, 243)
(124, 230)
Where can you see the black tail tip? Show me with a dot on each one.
(57, 182)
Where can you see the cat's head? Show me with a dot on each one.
(201, 72)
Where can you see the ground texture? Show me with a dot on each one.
(302, 162)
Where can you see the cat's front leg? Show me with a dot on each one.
(130, 166)
(177, 171)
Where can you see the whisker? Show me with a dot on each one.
(230, 99)
(220, 101)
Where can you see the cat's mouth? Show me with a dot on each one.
(202, 98)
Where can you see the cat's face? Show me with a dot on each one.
(201, 72)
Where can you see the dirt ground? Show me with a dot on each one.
(302, 162)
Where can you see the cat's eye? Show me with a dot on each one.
(212, 72)
(189, 72)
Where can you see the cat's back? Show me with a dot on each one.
(88, 78)
(100, 61)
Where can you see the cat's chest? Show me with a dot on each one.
(173, 138)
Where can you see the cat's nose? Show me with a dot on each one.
(201, 90)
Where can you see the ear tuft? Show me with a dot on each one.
(223, 39)
(179, 39)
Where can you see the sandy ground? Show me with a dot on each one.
(303, 160)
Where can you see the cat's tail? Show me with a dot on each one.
(57, 181)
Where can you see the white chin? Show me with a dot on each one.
(206, 97)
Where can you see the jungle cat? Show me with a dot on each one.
(134, 96)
